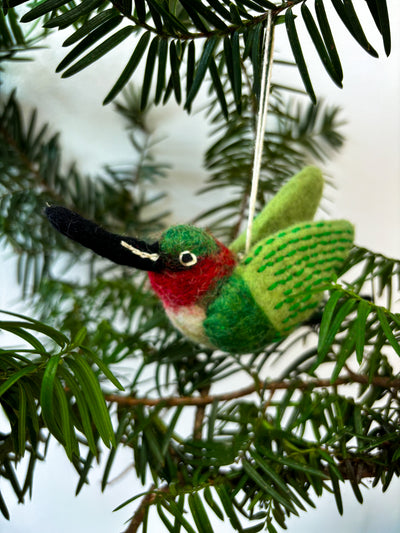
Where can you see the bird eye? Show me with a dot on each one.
(186, 258)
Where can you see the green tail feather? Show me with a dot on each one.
(296, 202)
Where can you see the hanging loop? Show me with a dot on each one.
(265, 90)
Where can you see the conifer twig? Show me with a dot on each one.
(139, 515)
(200, 412)
(170, 401)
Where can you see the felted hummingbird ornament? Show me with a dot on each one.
(219, 296)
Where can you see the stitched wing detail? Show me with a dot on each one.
(286, 271)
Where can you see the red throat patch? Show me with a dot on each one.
(197, 284)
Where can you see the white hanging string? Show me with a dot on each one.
(261, 122)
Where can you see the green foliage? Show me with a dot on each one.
(31, 175)
(13, 38)
(225, 37)
(254, 456)
(297, 132)
(308, 442)
(55, 383)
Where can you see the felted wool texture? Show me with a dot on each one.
(286, 272)
(177, 239)
(102, 242)
(189, 321)
(216, 301)
(234, 322)
(197, 284)
(297, 201)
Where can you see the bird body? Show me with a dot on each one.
(216, 295)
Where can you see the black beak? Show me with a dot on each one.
(122, 250)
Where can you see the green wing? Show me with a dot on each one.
(285, 272)
(297, 201)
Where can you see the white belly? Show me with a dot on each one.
(189, 321)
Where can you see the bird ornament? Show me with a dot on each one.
(222, 297)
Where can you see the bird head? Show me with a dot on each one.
(183, 266)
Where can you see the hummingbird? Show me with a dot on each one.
(219, 296)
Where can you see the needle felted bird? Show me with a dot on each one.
(216, 295)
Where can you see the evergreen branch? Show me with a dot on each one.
(35, 377)
(253, 454)
(13, 40)
(176, 29)
(187, 35)
(377, 381)
(141, 511)
(31, 175)
(335, 318)
(351, 468)
(239, 28)
(27, 163)
(296, 134)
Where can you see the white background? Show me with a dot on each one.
(366, 173)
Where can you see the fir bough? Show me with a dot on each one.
(262, 452)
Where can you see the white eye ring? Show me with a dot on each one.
(185, 261)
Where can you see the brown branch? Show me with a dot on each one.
(170, 401)
(200, 412)
(140, 513)
(355, 469)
